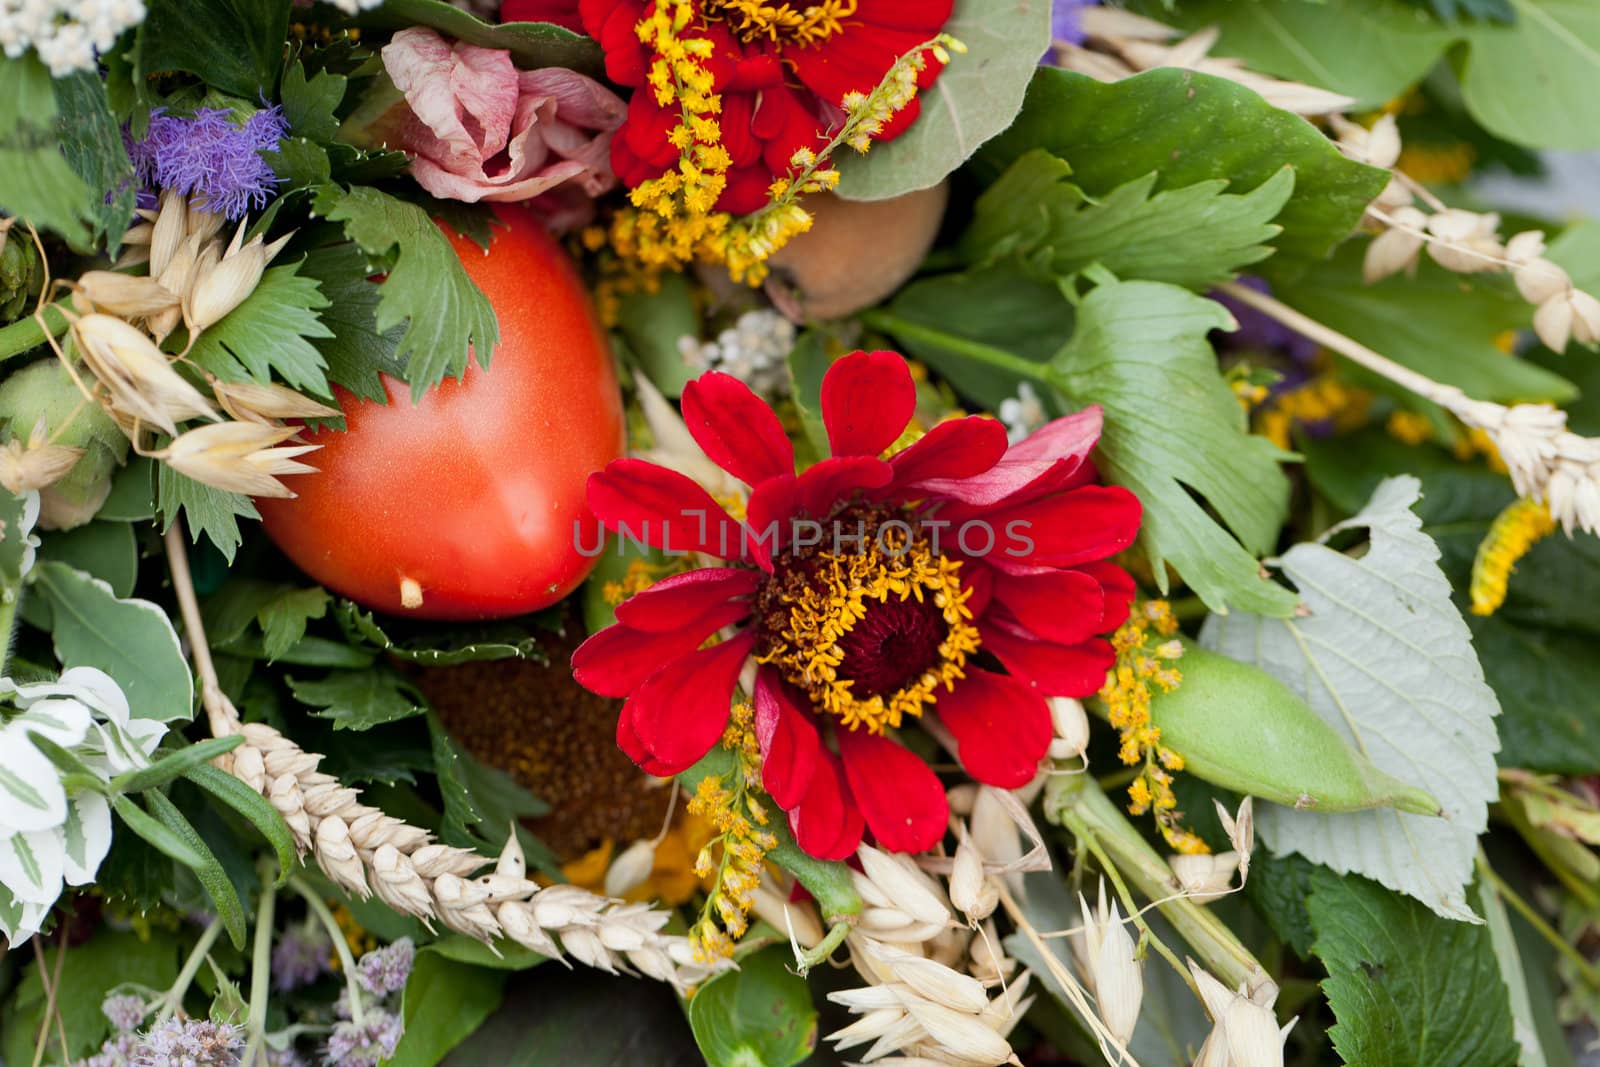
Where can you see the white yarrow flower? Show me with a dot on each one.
(1022, 414)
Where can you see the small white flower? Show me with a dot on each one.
(1022, 414)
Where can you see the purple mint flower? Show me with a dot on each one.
(212, 155)
(117, 1052)
(367, 1045)
(188, 1043)
(300, 957)
(1258, 331)
(385, 970)
(125, 1011)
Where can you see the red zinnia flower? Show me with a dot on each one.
(782, 70)
(978, 587)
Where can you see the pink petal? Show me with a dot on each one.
(867, 400)
(683, 709)
(1002, 727)
(618, 659)
(665, 605)
(789, 743)
(656, 506)
(736, 429)
(1041, 462)
(827, 824)
(899, 795)
(1061, 606)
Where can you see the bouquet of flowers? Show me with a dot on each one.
(760, 533)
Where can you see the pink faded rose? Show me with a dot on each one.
(480, 129)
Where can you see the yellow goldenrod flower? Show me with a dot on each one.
(1514, 531)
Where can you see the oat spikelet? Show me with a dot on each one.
(241, 457)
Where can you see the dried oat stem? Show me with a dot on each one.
(220, 713)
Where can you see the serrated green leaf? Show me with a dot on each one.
(1172, 426)
(36, 182)
(92, 142)
(975, 97)
(1532, 82)
(232, 45)
(1383, 656)
(269, 332)
(360, 700)
(300, 163)
(283, 621)
(254, 807)
(209, 870)
(1195, 236)
(435, 646)
(208, 512)
(357, 352)
(1408, 988)
(309, 103)
(760, 1014)
(448, 319)
(531, 44)
(131, 640)
(1187, 128)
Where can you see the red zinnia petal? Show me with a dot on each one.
(1061, 606)
(1119, 590)
(789, 743)
(619, 659)
(746, 190)
(563, 13)
(926, 17)
(631, 747)
(1036, 464)
(683, 709)
(665, 605)
(1049, 669)
(1086, 524)
(1002, 727)
(827, 824)
(867, 400)
(660, 507)
(898, 794)
(954, 450)
(736, 429)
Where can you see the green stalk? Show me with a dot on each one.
(24, 335)
(1589, 972)
(347, 961)
(10, 601)
(260, 972)
(1076, 801)
(999, 358)
(173, 1000)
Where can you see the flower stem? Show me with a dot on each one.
(347, 961)
(1587, 970)
(28, 333)
(173, 1000)
(220, 713)
(260, 972)
(824, 948)
(977, 351)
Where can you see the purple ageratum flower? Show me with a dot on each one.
(188, 1043)
(1066, 21)
(367, 1045)
(211, 155)
(385, 970)
(125, 1011)
(117, 1052)
(1257, 331)
(300, 957)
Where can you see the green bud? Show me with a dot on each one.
(20, 276)
(45, 388)
(1238, 727)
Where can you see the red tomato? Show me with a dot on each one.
(471, 500)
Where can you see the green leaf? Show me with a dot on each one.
(309, 103)
(653, 323)
(504, 955)
(1532, 82)
(435, 646)
(1451, 10)
(1173, 426)
(299, 163)
(283, 620)
(212, 877)
(444, 1002)
(92, 141)
(448, 317)
(1195, 236)
(1277, 888)
(269, 332)
(133, 495)
(758, 1016)
(360, 700)
(107, 550)
(174, 764)
(357, 353)
(976, 96)
(1438, 323)
(232, 45)
(1373, 50)
(1384, 657)
(131, 640)
(12, 544)
(1408, 988)
(531, 44)
(36, 182)
(254, 807)
(209, 512)
(1188, 128)
(156, 834)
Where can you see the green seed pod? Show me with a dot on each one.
(45, 388)
(1238, 727)
(20, 276)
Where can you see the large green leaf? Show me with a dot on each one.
(1408, 988)
(975, 98)
(360, 700)
(1532, 82)
(1372, 50)
(36, 183)
(1382, 654)
(444, 1003)
(92, 141)
(357, 353)
(269, 332)
(131, 640)
(232, 45)
(1174, 431)
(1195, 236)
(758, 1016)
(1437, 323)
(531, 44)
(1187, 128)
(210, 512)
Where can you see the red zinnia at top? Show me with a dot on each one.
(957, 577)
(782, 70)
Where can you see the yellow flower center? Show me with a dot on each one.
(872, 629)
(752, 20)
